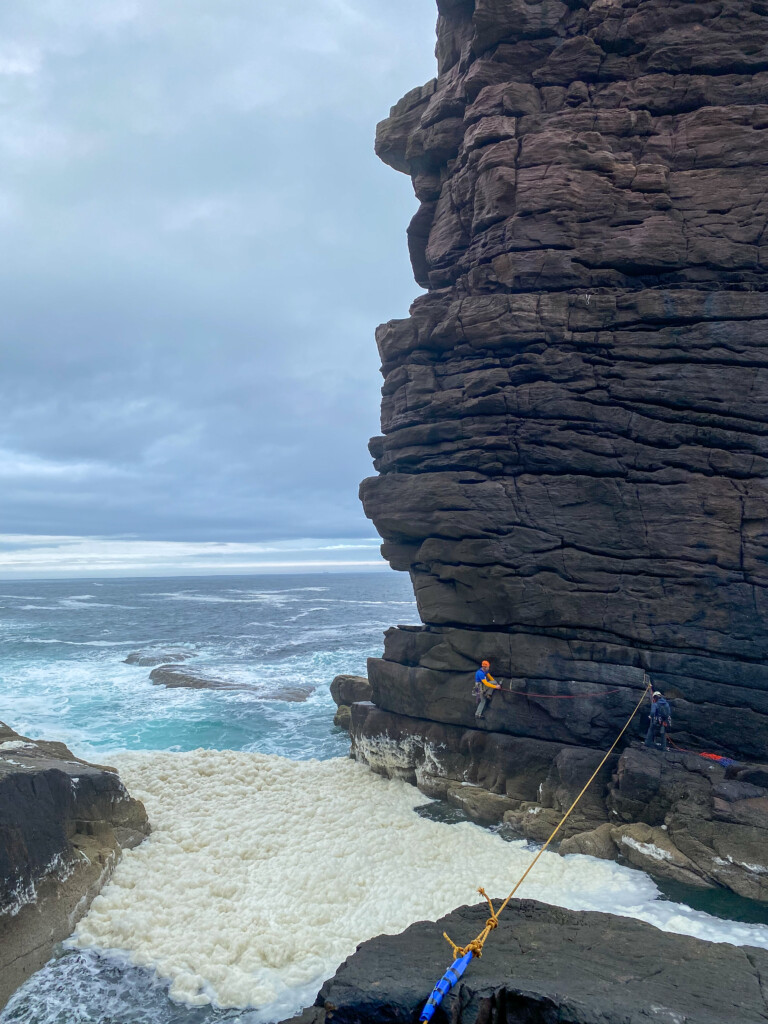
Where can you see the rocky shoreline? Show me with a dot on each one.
(675, 815)
(65, 823)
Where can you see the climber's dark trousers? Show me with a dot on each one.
(650, 736)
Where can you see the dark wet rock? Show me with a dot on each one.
(574, 448)
(548, 964)
(349, 689)
(63, 824)
(148, 659)
(478, 804)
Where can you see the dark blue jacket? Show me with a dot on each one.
(661, 711)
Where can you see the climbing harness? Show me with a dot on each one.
(462, 955)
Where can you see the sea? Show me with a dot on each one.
(273, 854)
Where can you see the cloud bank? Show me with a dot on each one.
(201, 243)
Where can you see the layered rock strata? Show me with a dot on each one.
(573, 460)
(63, 824)
(548, 964)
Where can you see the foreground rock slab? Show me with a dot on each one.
(63, 825)
(545, 964)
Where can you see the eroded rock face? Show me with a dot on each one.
(63, 824)
(573, 460)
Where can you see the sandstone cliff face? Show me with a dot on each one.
(573, 460)
(63, 824)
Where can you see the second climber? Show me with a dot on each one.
(484, 688)
(660, 721)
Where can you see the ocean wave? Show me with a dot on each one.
(222, 899)
(276, 600)
(283, 590)
(90, 643)
(71, 602)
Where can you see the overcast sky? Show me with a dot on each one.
(198, 243)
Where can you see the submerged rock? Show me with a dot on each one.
(173, 677)
(63, 824)
(548, 964)
(573, 461)
(149, 658)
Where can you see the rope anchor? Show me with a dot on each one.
(463, 954)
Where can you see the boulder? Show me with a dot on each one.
(478, 804)
(63, 824)
(343, 716)
(349, 689)
(653, 850)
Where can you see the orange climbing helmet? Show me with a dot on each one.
(485, 664)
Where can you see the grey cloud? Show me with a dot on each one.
(201, 243)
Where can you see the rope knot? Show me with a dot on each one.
(493, 920)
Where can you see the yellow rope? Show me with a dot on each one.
(476, 945)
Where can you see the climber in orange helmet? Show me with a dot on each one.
(485, 684)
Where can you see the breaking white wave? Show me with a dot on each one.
(263, 874)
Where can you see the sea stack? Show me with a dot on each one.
(573, 459)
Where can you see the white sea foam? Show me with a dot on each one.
(246, 597)
(90, 643)
(263, 874)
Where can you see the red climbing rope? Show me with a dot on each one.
(720, 758)
(564, 696)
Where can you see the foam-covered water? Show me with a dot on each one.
(263, 872)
